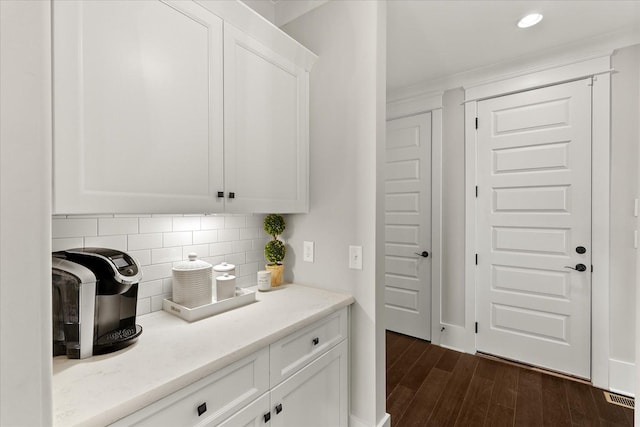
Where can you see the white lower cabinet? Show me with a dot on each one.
(300, 380)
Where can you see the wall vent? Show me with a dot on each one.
(616, 399)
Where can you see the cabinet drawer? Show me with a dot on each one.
(298, 349)
(224, 393)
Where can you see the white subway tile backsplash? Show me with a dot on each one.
(179, 238)
(113, 242)
(235, 221)
(201, 250)
(161, 255)
(144, 241)
(156, 271)
(222, 248)
(159, 241)
(186, 223)
(143, 256)
(74, 227)
(228, 235)
(63, 244)
(212, 222)
(242, 246)
(156, 225)
(112, 226)
(149, 289)
(206, 236)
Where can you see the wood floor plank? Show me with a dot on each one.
(529, 399)
(398, 347)
(398, 401)
(475, 405)
(414, 378)
(500, 416)
(503, 399)
(581, 404)
(448, 360)
(405, 362)
(555, 403)
(607, 411)
(426, 398)
(446, 411)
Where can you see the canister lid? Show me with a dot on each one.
(221, 268)
(193, 264)
(226, 277)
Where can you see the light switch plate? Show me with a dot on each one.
(355, 257)
(307, 251)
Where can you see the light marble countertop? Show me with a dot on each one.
(172, 353)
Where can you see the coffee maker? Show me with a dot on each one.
(96, 290)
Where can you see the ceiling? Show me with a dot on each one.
(429, 40)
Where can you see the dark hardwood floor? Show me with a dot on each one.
(429, 385)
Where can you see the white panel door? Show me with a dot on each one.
(408, 226)
(266, 127)
(534, 216)
(137, 107)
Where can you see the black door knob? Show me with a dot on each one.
(578, 267)
(424, 254)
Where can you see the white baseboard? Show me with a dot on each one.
(622, 376)
(453, 337)
(357, 422)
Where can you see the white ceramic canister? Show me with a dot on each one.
(223, 268)
(192, 282)
(264, 280)
(225, 287)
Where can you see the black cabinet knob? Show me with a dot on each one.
(202, 409)
(278, 408)
(315, 341)
(267, 417)
(220, 193)
(232, 195)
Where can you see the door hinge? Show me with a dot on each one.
(592, 268)
(476, 191)
(476, 259)
(476, 123)
(476, 327)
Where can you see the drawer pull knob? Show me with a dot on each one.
(220, 193)
(315, 341)
(278, 408)
(202, 409)
(232, 195)
(267, 417)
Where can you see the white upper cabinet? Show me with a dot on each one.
(138, 107)
(155, 113)
(266, 127)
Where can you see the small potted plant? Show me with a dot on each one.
(274, 251)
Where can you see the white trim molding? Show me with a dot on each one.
(622, 377)
(599, 68)
(414, 105)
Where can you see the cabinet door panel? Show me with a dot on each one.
(316, 396)
(266, 128)
(137, 107)
(253, 415)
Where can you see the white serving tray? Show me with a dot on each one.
(243, 297)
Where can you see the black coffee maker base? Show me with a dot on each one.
(116, 340)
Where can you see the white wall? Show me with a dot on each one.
(625, 139)
(346, 128)
(25, 221)
(159, 241)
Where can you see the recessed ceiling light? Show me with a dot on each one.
(530, 20)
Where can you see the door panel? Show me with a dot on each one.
(408, 226)
(534, 209)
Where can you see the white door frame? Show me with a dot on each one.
(600, 69)
(430, 103)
